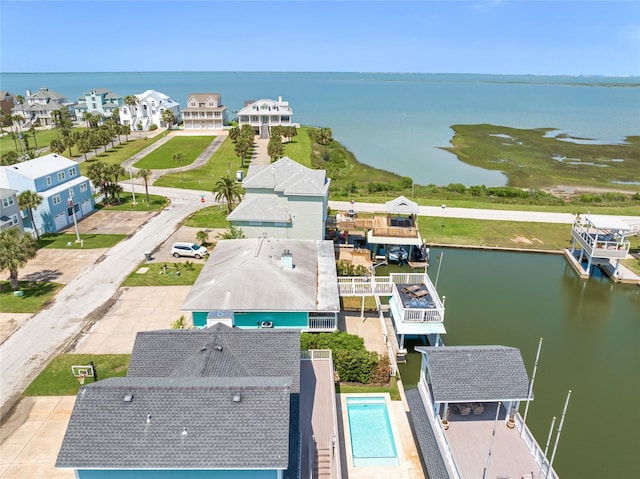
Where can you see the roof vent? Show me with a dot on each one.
(128, 398)
(184, 431)
(286, 259)
(219, 348)
(237, 398)
(148, 418)
(203, 348)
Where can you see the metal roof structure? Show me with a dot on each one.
(606, 222)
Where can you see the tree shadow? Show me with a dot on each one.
(42, 275)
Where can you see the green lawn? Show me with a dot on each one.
(156, 203)
(162, 158)
(57, 380)
(506, 234)
(299, 148)
(36, 295)
(392, 389)
(43, 138)
(157, 275)
(223, 162)
(209, 217)
(89, 241)
(120, 153)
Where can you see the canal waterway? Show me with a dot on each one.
(590, 330)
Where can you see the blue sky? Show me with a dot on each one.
(520, 37)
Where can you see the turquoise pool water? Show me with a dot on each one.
(372, 441)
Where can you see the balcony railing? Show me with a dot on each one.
(600, 246)
(365, 286)
(322, 322)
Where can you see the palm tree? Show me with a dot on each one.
(179, 157)
(227, 189)
(114, 171)
(57, 146)
(84, 147)
(145, 174)
(16, 250)
(242, 148)
(131, 101)
(30, 200)
(32, 129)
(169, 118)
(275, 148)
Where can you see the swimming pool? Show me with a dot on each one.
(372, 441)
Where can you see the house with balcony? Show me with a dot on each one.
(10, 216)
(66, 195)
(599, 240)
(204, 111)
(148, 111)
(264, 114)
(465, 414)
(283, 200)
(98, 101)
(267, 283)
(219, 403)
(38, 107)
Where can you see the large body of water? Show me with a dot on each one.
(391, 121)
(590, 330)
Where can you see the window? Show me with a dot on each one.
(83, 187)
(72, 171)
(56, 200)
(8, 201)
(14, 220)
(61, 175)
(48, 180)
(255, 223)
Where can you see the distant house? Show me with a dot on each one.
(98, 101)
(148, 111)
(264, 114)
(37, 108)
(10, 216)
(57, 179)
(204, 111)
(7, 102)
(217, 403)
(283, 200)
(267, 283)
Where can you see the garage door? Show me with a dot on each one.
(60, 221)
(85, 207)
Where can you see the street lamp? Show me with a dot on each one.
(444, 208)
(133, 192)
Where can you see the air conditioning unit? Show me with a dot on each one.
(266, 324)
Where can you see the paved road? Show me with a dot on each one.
(472, 213)
(40, 338)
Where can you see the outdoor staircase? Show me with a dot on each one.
(265, 132)
(322, 463)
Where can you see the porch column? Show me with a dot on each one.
(362, 309)
(401, 341)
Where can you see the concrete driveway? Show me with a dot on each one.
(140, 308)
(113, 222)
(31, 436)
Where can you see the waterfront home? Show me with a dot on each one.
(264, 114)
(10, 216)
(37, 108)
(216, 403)
(267, 283)
(599, 240)
(204, 111)
(66, 195)
(148, 111)
(7, 102)
(98, 101)
(283, 200)
(465, 414)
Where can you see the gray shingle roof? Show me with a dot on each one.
(247, 275)
(427, 442)
(476, 373)
(105, 431)
(287, 177)
(196, 353)
(260, 208)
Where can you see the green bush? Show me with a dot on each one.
(153, 127)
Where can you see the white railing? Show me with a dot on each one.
(365, 286)
(393, 365)
(534, 448)
(412, 314)
(599, 248)
(408, 278)
(312, 354)
(322, 322)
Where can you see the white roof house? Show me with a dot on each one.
(283, 200)
(148, 110)
(264, 114)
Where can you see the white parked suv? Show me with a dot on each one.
(188, 249)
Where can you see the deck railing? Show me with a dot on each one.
(395, 232)
(322, 322)
(365, 286)
(534, 448)
(599, 248)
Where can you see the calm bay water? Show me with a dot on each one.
(590, 330)
(396, 122)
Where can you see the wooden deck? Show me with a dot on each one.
(470, 441)
(318, 418)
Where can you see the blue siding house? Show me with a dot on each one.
(57, 179)
(267, 283)
(216, 403)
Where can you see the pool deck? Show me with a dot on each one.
(409, 461)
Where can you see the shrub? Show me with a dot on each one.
(153, 127)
